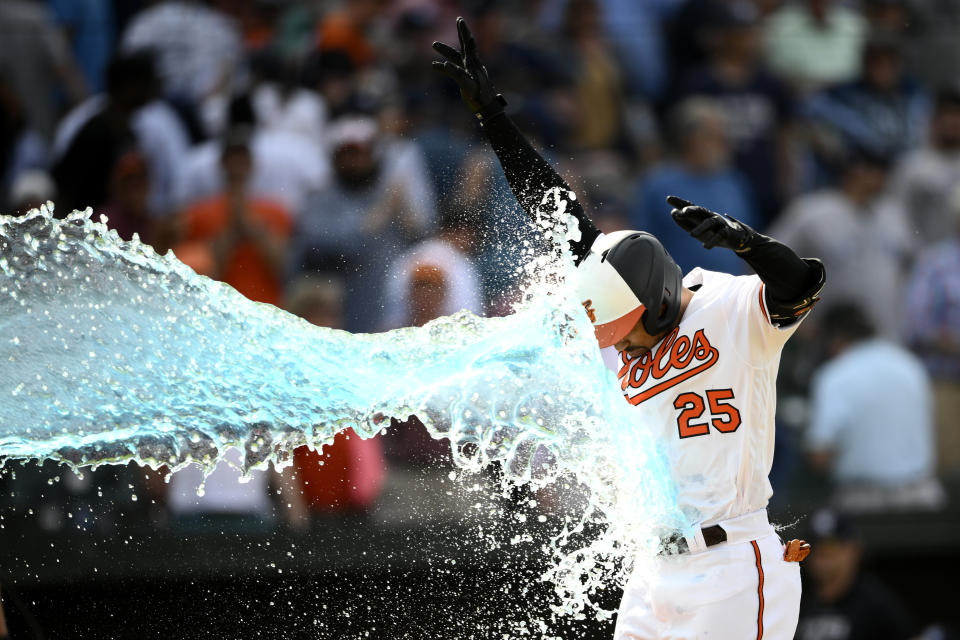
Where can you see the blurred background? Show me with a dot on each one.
(304, 152)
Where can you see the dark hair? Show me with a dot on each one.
(828, 524)
(857, 155)
(883, 42)
(240, 111)
(948, 98)
(323, 65)
(847, 321)
(130, 69)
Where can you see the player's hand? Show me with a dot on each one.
(712, 229)
(465, 68)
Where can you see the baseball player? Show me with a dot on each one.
(699, 356)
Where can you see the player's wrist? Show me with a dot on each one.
(491, 109)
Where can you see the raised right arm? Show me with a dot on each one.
(531, 178)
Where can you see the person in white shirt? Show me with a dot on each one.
(862, 237)
(924, 180)
(871, 425)
(445, 257)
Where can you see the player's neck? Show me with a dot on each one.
(686, 295)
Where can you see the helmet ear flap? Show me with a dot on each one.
(670, 296)
(653, 277)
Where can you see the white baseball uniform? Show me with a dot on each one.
(709, 387)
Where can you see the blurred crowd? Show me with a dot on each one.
(304, 152)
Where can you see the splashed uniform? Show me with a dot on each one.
(709, 385)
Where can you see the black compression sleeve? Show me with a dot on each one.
(531, 177)
(793, 284)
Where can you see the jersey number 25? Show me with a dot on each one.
(724, 417)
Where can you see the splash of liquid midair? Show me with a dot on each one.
(110, 352)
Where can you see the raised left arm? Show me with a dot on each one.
(793, 284)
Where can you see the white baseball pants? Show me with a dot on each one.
(733, 591)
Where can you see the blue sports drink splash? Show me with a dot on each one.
(110, 352)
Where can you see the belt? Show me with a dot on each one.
(676, 543)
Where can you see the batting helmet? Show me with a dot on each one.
(626, 274)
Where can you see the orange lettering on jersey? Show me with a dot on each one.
(678, 358)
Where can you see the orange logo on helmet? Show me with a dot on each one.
(591, 312)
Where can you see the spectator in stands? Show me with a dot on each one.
(126, 210)
(636, 31)
(926, 177)
(83, 170)
(239, 239)
(690, 34)
(932, 329)
(236, 236)
(344, 476)
(932, 46)
(219, 502)
(31, 189)
(332, 75)
(882, 110)
(437, 277)
(280, 105)
(199, 56)
(22, 148)
(346, 29)
(757, 107)
(840, 602)
(158, 131)
(36, 58)
(379, 202)
(89, 26)
(287, 165)
(815, 43)
(861, 237)
(317, 300)
(596, 89)
(888, 15)
(703, 170)
(871, 424)
(508, 234)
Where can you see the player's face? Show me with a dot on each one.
(638, 341)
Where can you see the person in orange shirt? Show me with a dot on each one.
(345, 30)
(234, 237)
(347, 475)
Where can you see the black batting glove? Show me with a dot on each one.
(712, 229)
(468, 72)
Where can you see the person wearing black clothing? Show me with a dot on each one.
(686, 343)
(84, 170)
(843, 603)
